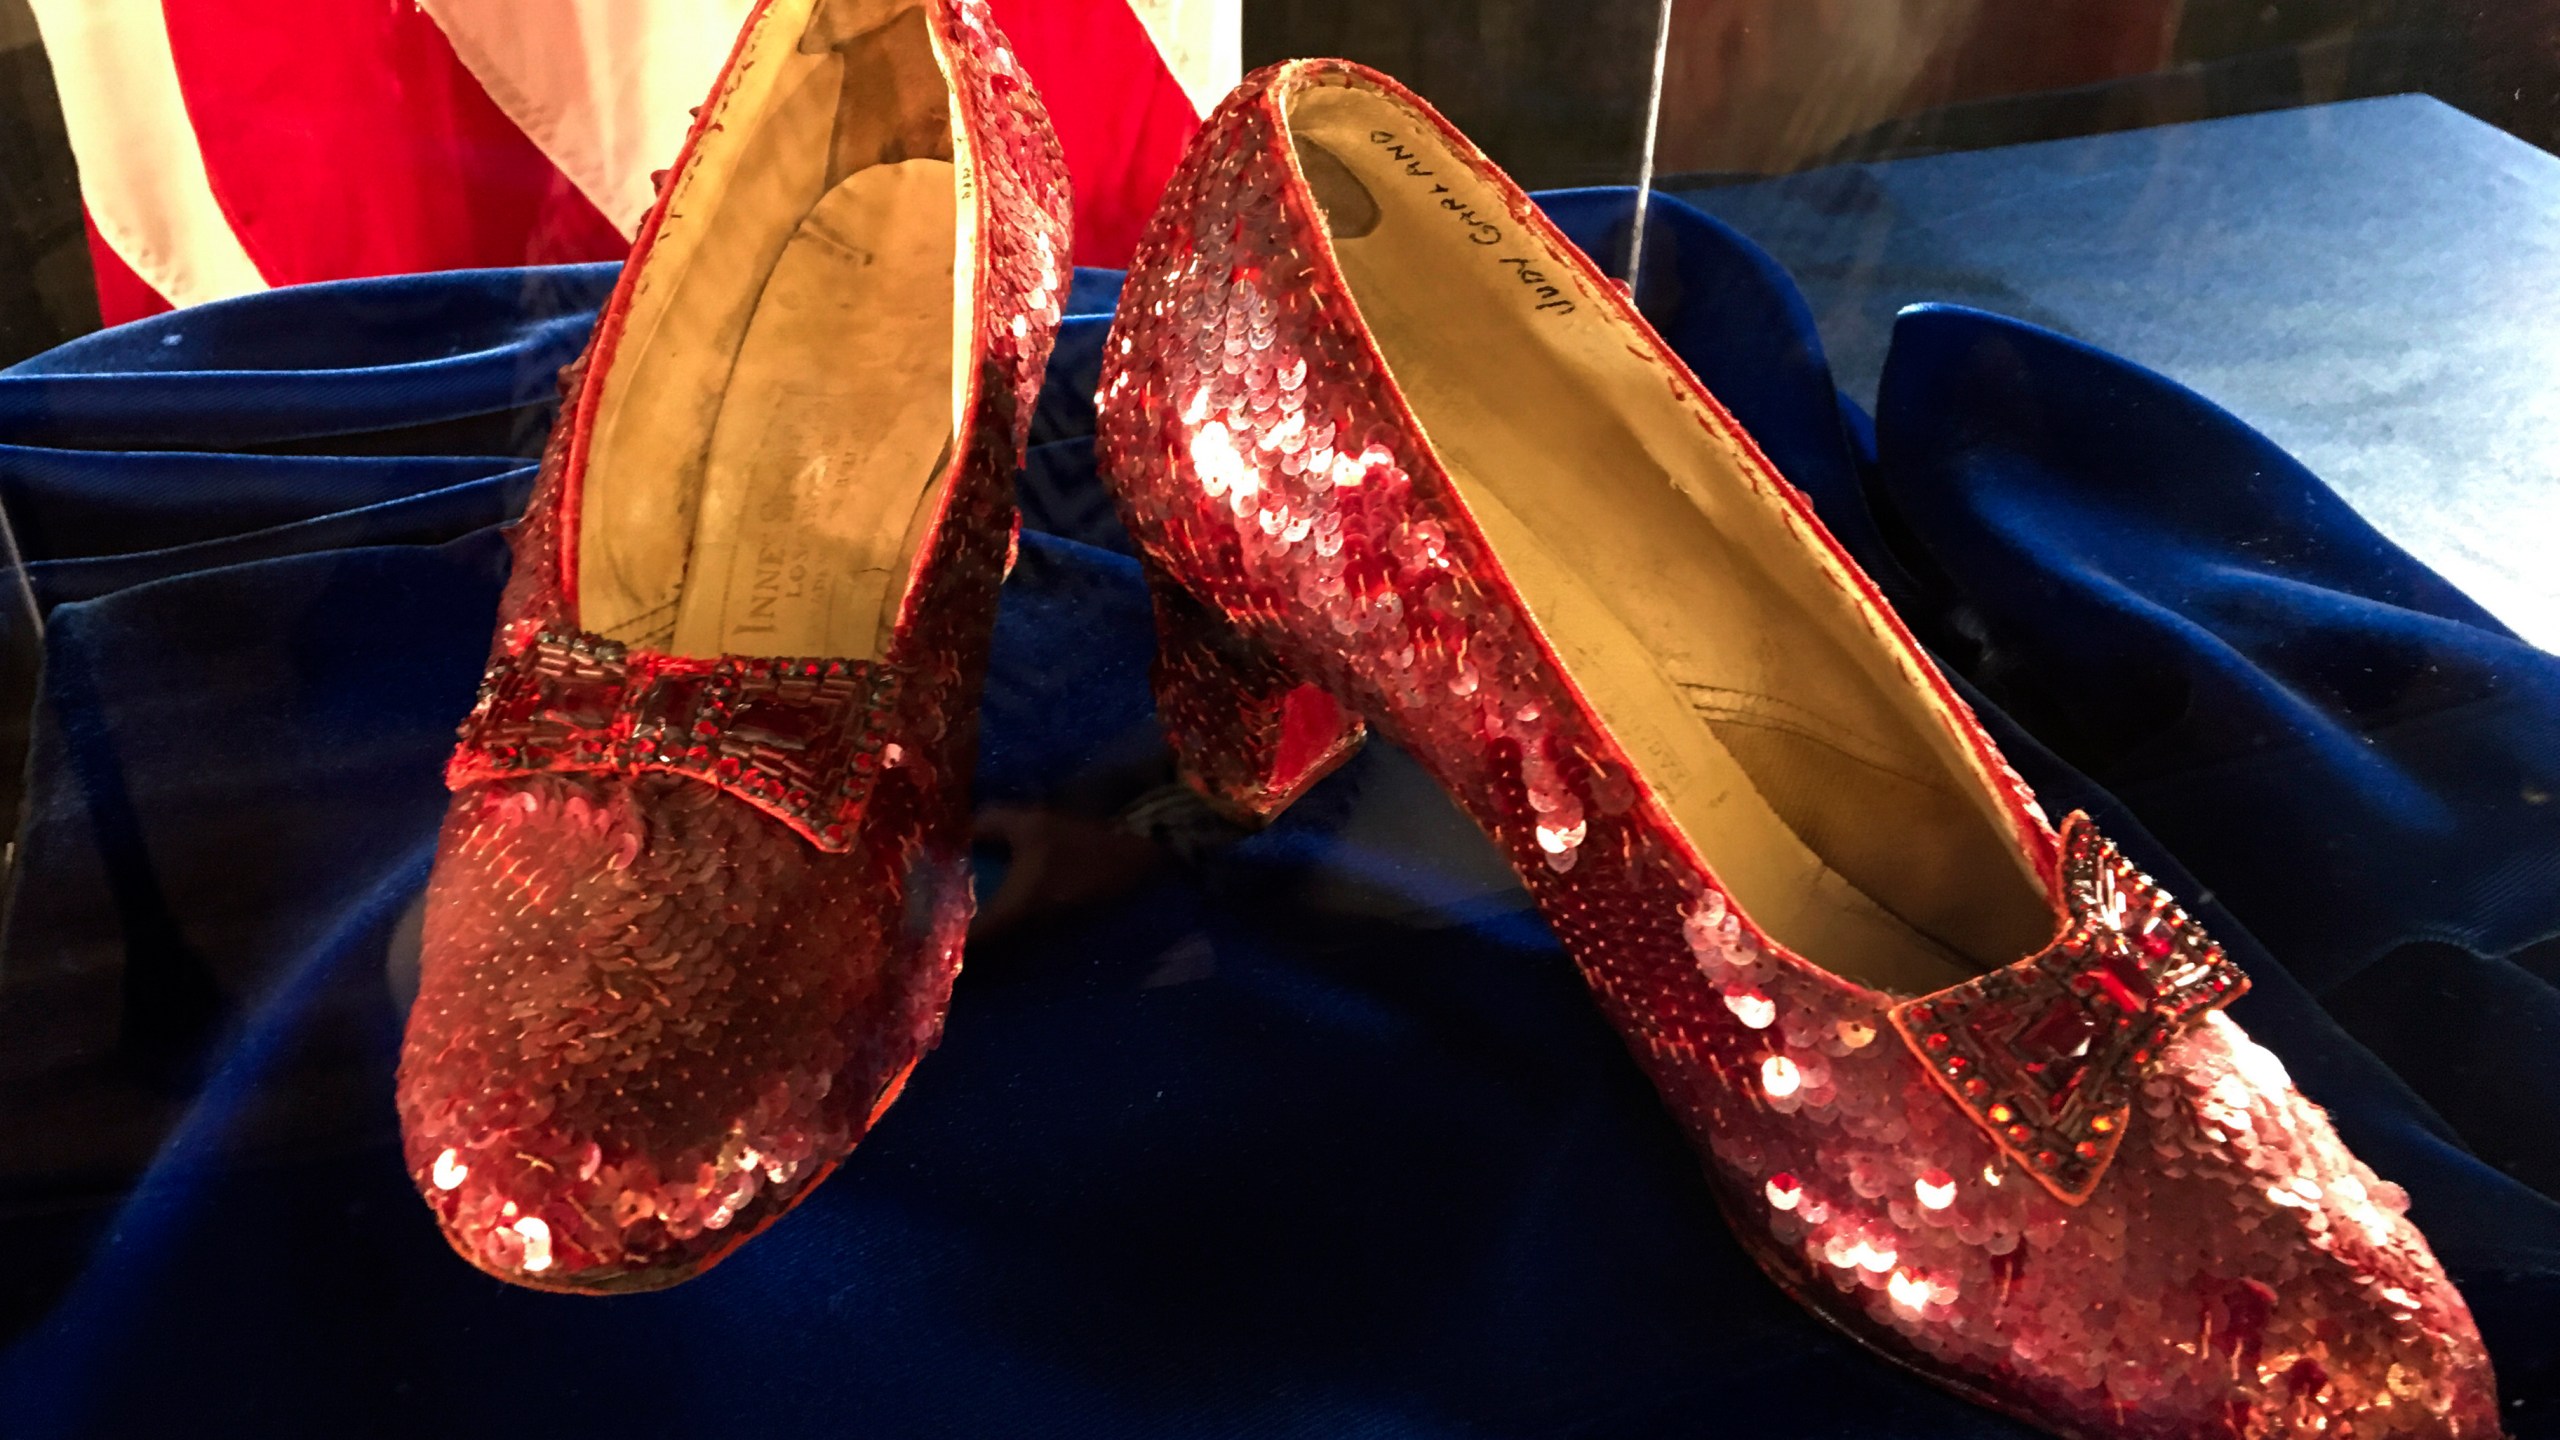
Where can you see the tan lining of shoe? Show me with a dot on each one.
(1763, 702)
(775, 425)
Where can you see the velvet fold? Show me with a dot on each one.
(1319, 1136)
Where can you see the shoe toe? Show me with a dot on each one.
(2318, 1307)
(650, 1018)
(2236, 1271)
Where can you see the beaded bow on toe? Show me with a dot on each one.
(699, 897)
(1396, 454)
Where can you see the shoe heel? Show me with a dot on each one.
(1245, 731)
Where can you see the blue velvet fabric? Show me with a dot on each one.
(1321, 1138)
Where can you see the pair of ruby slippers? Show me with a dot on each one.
(1395, 454)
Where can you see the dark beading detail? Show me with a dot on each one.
(2045, 1054)
(798, 739)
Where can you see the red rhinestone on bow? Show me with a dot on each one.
(2045, 1054)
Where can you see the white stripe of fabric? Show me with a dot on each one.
(601, 87)
(1202, 43)
(142, 173)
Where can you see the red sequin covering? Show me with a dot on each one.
(693, 921)
(2214, 1263)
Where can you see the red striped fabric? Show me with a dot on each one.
(1120, 115)
(344, 138)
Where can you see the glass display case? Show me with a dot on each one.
(1632, 717)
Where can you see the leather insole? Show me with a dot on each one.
(774, 423)
(1767, 712)
(832, 436)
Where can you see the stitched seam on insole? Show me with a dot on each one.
(646, 622)
(1802, 713)
(1822, 736)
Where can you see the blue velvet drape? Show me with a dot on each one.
(1319, 1139)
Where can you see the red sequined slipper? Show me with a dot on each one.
(699, 897)
(1396, 454)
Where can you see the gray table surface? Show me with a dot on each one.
(2373, 284)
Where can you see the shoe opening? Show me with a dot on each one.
(775, 424)
(1790, 735)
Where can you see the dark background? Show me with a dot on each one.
(46, 296)
(1554, 89)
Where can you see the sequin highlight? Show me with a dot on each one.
(692, 921)
(2173, 1299)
